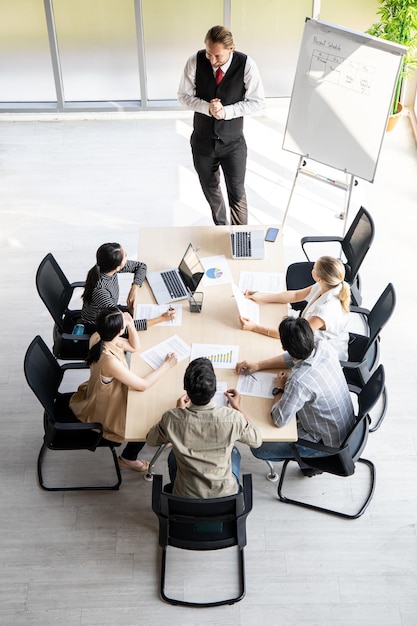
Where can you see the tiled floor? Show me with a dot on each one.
(66, 185)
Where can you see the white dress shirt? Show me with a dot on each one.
(254, 96)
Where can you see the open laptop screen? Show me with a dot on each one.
(190, 269)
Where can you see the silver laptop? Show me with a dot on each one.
(247, 244)
(176, 284)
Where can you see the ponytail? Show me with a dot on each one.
(94, 352)
(90, 283)
(109, 323)
(345, 296)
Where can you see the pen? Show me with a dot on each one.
(171, 308)
(245, 369)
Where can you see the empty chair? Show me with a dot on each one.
(341, 461)
(197, 524)
(62, 430)
(364, 350)
(56, 292)
(353, 249)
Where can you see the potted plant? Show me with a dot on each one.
(398, 23)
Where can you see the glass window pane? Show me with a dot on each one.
(272, 37)
(356, 14)
(25, 61)
(171, 40)
(98, 51)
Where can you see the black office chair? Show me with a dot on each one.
(56, 292)
(341, 461)
(364, 350)
(197, 524)
(63, 431)
(353, 249)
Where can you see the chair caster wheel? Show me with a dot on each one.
(148, 477)
(273, 478)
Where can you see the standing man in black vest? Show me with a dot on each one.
(221, 85)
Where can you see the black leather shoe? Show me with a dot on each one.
(309, 471)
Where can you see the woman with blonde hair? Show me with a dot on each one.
(327, 309)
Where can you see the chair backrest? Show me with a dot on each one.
(357, 241)
(371, 392)
(53, 288)
(342, 460)
(202, 524)
(43, 373)
(381, 312)
(367, 398)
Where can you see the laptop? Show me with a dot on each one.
(176, 284)
(247, 244)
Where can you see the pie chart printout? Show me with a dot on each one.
(214, 273)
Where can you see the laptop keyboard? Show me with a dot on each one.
(242, 243)
(173, 284)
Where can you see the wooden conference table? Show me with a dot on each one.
(218, 323)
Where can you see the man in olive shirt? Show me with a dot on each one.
(204, 462)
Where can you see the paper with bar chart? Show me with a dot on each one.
(221, 356)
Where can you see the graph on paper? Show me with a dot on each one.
(221, 356)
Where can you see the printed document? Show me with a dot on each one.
(149, 311)
(259, 384)
(247, 308)
(265, 282)
(221, 356)
(155, 356)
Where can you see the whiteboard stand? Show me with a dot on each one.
(346, 186)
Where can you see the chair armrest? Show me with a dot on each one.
(359, 309)
(78, 283)
(71, 336)
(247, 492)
(313, 446)
(319, 239)
(76, 365)
(156, 493)
(79, 426)
(350, 365)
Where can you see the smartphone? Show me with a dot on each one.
(271, 234)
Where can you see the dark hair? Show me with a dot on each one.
(108, 257)
(200, 381)
(297, 337)
(109, 323)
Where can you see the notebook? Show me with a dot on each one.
(247, 244)
(175, 284)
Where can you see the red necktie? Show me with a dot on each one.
(219, 76)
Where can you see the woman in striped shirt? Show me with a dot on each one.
(102, 287)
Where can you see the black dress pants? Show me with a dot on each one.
(208, 157)
(132, 449)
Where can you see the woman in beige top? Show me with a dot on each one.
(103, 398)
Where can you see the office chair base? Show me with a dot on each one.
(176, 602)
(42, 484)
(315, 507)
(150, 473)
(272, 476)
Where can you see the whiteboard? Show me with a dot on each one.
(341, 98)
